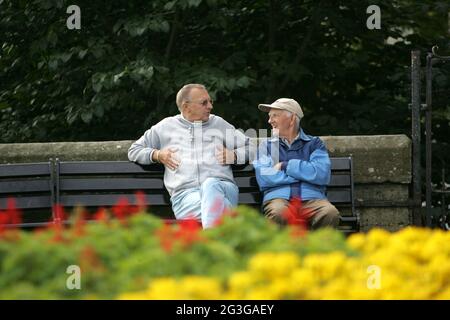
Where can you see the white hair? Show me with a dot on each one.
(297, 119)
(183, 93)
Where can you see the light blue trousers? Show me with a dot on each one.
(206, 203)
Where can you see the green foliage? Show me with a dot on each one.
(119, 74)
(118, 257)
(131, 57)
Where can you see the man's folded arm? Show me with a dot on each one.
(316, 171)
(266, 175)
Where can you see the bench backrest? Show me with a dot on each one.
(103, 183)
(31, 185)
(93, 184)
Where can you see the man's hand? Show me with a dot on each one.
(168, 158)
(225, 156)
(278, 166)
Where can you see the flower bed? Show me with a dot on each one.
(244, 257)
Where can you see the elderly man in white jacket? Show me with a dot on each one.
(196, 148)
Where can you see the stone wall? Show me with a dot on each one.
(382, 176)
(382, 169)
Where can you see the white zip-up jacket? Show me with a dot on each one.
(197, 144)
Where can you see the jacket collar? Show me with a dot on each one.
(302, 136)
(192, 123)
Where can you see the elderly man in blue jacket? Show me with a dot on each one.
(291, 165)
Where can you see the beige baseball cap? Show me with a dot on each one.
(283, 104)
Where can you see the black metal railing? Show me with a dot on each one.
(428, 219)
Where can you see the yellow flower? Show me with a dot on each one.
(357, 241)
(260, 293)
(444, 295)
(164, 289)
(133, 296)
(375, 239)
(411, 264)
(326, 266)
(282, 288)
(241, 281)
(336, 290)
(198, 287)
(273, 265)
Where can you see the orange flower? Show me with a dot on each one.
(90, 261)
(80, 222)
(101, 215)
(165, 235)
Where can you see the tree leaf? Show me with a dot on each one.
(169, 5)
(86, 116)
(194, 3)
(99, 111)
(82, 53)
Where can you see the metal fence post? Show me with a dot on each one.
(415, 134)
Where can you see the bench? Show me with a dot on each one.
(31, 187)
(93, 184)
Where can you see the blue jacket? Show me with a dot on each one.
(306, 168)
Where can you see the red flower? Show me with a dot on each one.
(14, 214)
(60, 215)
(123, 208)
(188, 231)
(120, 209)
(4, 219)
(140, 201)
(11, 216)
(184, 232)
(296, 215)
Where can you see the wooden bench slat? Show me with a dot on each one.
(340, 180)
(67, 184)
(250, 198)
(343, 180)
(32, 202)
(99, 200)
(340, 163)
(25, 186)
(246, 182)
(334, 196)
(107, 167)
(339, 196)
(24, 169)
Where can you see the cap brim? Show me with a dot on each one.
(266, 107)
